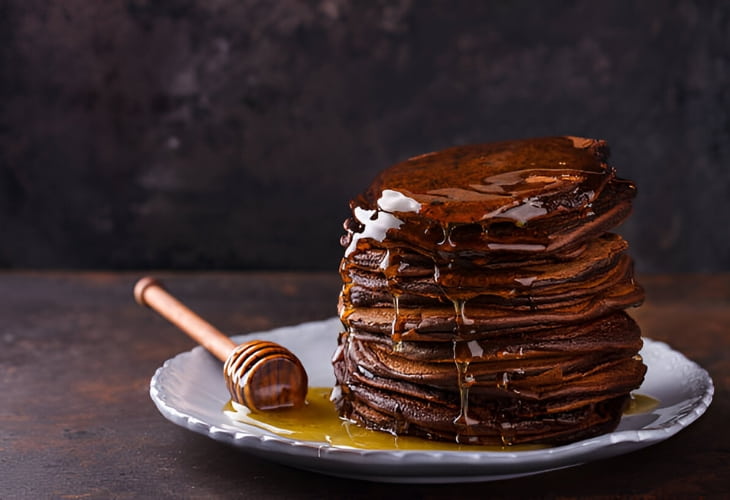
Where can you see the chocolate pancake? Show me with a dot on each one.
(600, 266)
(526, 380)
(517, 197)
(483, 297)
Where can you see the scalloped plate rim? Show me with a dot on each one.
(415, 466)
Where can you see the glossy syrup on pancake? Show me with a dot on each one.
(513, 180)
(530, 196)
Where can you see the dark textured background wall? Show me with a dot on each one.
(232, 133)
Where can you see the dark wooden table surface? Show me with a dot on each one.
(76, 420)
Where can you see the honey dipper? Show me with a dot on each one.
(259, 374)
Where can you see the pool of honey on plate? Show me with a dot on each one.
(318, 421)
(641, 403)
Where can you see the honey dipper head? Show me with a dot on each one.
(265, 376)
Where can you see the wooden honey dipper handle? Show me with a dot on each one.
(259, 374)
(150, 292)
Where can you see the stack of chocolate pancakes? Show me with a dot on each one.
(483, 297)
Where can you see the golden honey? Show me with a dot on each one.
(318, 421)
(640, 403)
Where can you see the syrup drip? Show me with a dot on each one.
(462, 321)
(462, 356)
(506, 434)
(465, 381)
(347, 310)
(503, 381)
(390, 266)
(398, 325)
(385, 262)
(463, 353)
(447, 230)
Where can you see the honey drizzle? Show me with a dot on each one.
(462, 321)
(463, 421)
(462, 358)
(396, 332)
(447, 231)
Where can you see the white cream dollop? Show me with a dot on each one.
(376, 223)
(395, 201)
(375, 226)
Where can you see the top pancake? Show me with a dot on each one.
(524, 196)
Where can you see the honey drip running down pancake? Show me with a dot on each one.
(484, 296)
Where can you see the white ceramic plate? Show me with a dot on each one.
(189, 390)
